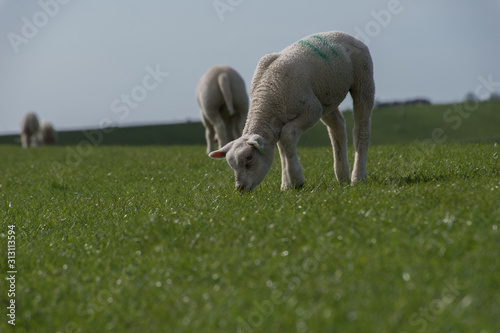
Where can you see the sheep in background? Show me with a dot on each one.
(47, 134)
(292, 90)
(29, 130)
(223, 100)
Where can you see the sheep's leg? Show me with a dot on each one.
(363, 104)
(285, 177)
(209, 135)
(239, 120)
(293, 175)
(233, 132)
(219, 125)
(338, 136)
(220, 129)
(291, 169)
(25, 140)
(36, 141)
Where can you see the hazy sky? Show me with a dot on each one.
(80, 63)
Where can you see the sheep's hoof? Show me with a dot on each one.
(357, 180)
(344, 182)
(299, 186)
(296, 186)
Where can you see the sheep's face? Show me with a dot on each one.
(250, 157)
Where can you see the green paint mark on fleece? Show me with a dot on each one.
(325, 42)
(314, 48)
(317, 49)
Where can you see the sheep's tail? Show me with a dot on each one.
(225, 88)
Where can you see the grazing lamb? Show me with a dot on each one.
(223, 100)
(292, 90)
(29, 130)
(47, 134)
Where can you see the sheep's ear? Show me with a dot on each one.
(221, 153)
(257, 142)
(218, 154)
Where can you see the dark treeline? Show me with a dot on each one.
(415, 101)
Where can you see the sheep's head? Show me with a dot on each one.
(250, 156)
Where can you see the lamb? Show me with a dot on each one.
(47, 134)
(292, 90)
(29, 130)
(223, 100)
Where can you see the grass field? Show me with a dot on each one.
(441, 123)
(461, 122)
(156, 239)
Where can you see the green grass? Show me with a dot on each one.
(437, 124)
(397, 124)
(191, 133)
(132, 239)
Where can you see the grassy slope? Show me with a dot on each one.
(406, 124)
(173, 134)
(132, 238)
(399, 124)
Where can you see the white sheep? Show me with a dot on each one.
(223, 100)
(47, 134)
(292, 90)
(29, 130)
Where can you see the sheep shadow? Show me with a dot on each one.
(424, 177)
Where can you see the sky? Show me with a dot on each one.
(94, 63)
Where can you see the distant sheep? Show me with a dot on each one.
(292, 90)
(47, 134)
(29, 130)
(223, 100)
